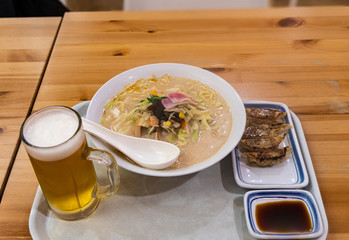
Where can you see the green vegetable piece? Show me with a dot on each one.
(195, 135)
(111, 103)
(154, 97)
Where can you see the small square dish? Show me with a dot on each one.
(282, 214)
(291, 173)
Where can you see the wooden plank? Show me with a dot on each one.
(25, 45)
(20, 192)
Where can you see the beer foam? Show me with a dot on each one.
(51, 129)
(52, 133)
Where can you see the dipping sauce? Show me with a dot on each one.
(283, 217)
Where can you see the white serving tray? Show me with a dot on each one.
(204, 205)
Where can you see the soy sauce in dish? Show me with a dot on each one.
(283, 217)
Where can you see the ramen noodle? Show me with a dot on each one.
(178, 110)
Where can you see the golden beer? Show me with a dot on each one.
(58, 151)
(68, 184)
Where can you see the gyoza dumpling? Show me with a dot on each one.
(265, 113)
(259, 144)
(263, 122)
(264, 131)
(267, 158)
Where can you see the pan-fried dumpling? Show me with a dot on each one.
(267, 158)
(263, 122)
(259, 144)
(266, 113)
(265, 131)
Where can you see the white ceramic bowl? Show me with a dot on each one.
(217, 83)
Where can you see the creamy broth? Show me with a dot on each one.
(203, 136)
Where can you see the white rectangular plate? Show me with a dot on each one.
(289, 174)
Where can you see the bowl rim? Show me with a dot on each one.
(107, 90)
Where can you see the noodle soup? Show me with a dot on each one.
(178, 110)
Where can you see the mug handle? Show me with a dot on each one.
(106, 168)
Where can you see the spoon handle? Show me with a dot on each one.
(102, 132)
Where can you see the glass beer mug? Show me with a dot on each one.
(63, 163)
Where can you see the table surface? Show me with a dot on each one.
(25, 46)
(298, 56)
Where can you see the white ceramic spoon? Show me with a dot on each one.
(145, 152)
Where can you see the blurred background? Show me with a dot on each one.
(35, 8)
(139, 5)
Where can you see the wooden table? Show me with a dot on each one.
(298, 56)
(25, 46)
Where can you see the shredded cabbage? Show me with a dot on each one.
(179, 124)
